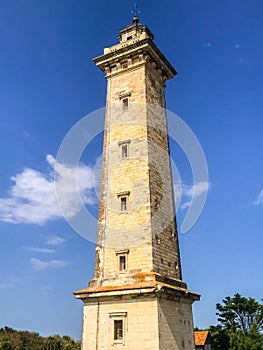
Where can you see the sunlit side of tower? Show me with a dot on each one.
(137, 299)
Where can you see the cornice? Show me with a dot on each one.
(127, 50)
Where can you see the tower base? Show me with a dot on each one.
(143, 316)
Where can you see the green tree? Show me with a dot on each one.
(240, 313)
(241, 324)
(11, 339)
(53, 343)
(69, 343)
(253, 340)
(220, 339)
(6, 345)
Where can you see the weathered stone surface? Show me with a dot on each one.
(147, 293)
(153, 319)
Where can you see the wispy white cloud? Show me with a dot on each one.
(45, 290)
(196, 189)
(6, 285)
(10, 282)
(237, 46)
(55, 240)
(178, 193)
(33, 197)
(259, 198)
(40, 250)
(40, 265)
(188, 192)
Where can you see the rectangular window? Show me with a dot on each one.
(124, 151)
(123, 203)
(124, 96)
(118, 329)
(124, 148)
(125, 104)
(122, 262)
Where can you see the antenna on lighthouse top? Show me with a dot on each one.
(135, 11)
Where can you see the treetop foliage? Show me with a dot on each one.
(11, 339)
(241, 313)
(240, 324)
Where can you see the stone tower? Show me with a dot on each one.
(137, 299)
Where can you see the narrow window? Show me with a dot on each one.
(129, 37)
(122, 261)
(118, 329)
(125, 104)
(124, 151)
(124, 96)
(124, 148)
(123, 203)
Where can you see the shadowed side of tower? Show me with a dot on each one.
(137, 299)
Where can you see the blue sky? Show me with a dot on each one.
(49, 82)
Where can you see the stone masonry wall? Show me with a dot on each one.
(140, 316)
(166, 258)
(148, 227)
(175, 324)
